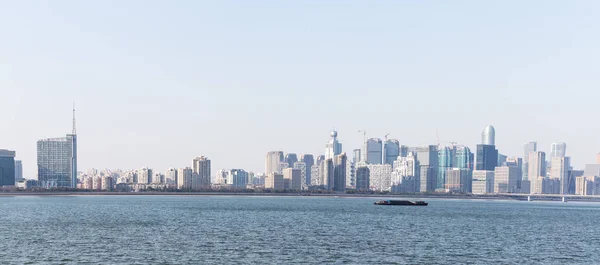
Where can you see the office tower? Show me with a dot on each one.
(392, 151)
(272, 161)
(144, 175)
(529, 148)
(404, 176)
(487, 157)
(184, 178)
(315, 175)
(362, 177)
(237, 178)
(309, 160)
(488, 137)
(356, 155)
(202, 170)
(380, 177)
(350, 175)
(171, 176)
(57, 160)
(333, 147)
(290, 159)
(303, 171)
(483, 182)
(587, 185)
(403, 150)
(427, 157)
(537, 165)
(505, 179)
(328, 174)
(281, 166)
(458, 180)
(560, 167)
(463, 158)
(558, 150)
(274, 181)
(7, 168)
(501, 160)
(374, 148)
(445, 159)
(293, 177)
(18, 170)
(339, 172)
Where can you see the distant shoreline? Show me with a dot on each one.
(520, 197)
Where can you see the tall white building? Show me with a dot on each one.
(404, 175)
(144, 175)
(202, 169)
(333, 147)
(171, 176)
(303, 173)
(184, 178)
(380, 177)
(529, 147)
(537, 165)
(558, 150)
(560, 167)
(272, 161)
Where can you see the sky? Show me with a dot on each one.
(157, 83)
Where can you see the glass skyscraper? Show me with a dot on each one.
(7, 168)
(57, 162)
(445, 158)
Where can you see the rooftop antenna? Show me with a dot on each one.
(74, 131)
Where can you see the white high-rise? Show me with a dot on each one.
(272, 161)
(558, 150)
(560, 167)
(333, 147)
(184, 178)
(537, 165)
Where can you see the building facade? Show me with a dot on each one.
(272, 161)
(57, 162)
(7, 168)
(202, 169)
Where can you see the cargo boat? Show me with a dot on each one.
(401, 203)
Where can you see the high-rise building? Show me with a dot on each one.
(339, 172)
(184, 178)
(374, 149)
(403, 150)
(483, 182)
(506, 179)
(458, 180)
(558, 150)
(537, 165)
(171, 176)
(488, 137)
(293, 178)
(309, 160)
(362, 177)
(380, 177)
(57, 160)
(303, 172)
(274, 181)
(445, 159)
(281, 166)
(350, 175)
(392, 151)
(290, 159)
(529, 147)
(487, 157)
(202, 169)
(427, 157)
(501, 160)
(272, 161)
(7, 168)
(144, 175)
(463, 158)
(560, 167)
(356, 155)
(404, 175)
(18, 170)
(333, 147)
(237, 178)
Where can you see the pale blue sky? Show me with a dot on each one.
(157, 83)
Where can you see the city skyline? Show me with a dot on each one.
(165, 82)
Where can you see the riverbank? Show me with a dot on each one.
(519, 197)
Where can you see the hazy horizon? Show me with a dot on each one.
(158, 83)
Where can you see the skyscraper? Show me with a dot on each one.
(537, 165)
(380, 177)
(7, 168)
(291, 158)
(558, 150)
(272, 161)
(292, 177)
(144, 175)
(184, 178)
(488, 137)
(374, 149)
(171, 176)
(339, 172)
(445, 159)
(362, 177)
(303, 172)
(356, 155)
(392, 151)
(487, 157)
(18, 170)
(333, 147)
(463, 158)
(236, 178)
(309, 160)
(529, 147)
(57, 161)
(274, 181)
(404, 174)
(561, 167)
(427, 157)
(202, 169)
